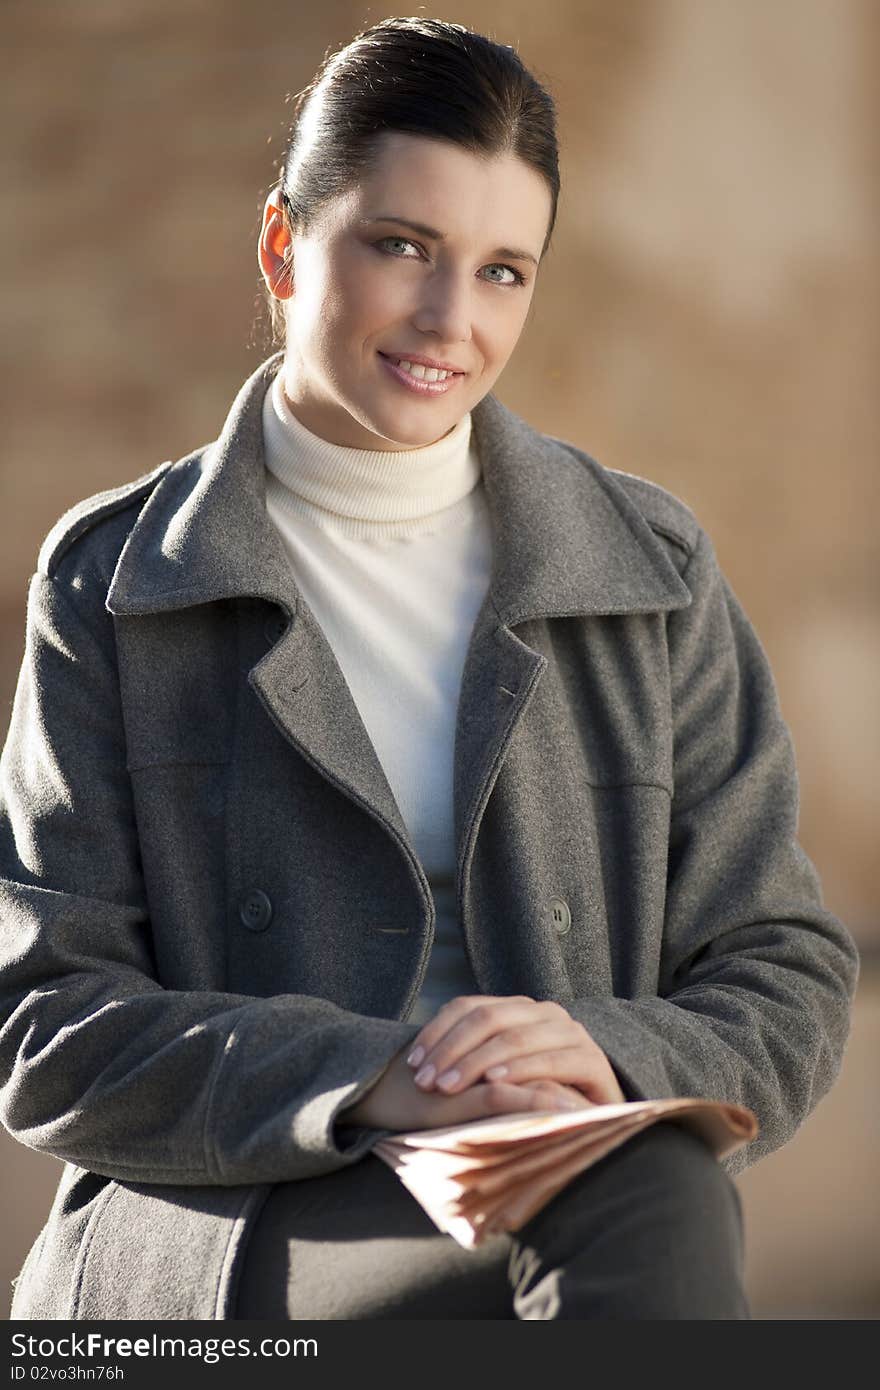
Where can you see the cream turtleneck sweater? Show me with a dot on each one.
(392, 551)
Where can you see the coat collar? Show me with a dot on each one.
(566, 538)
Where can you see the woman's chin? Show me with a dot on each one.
(399, 433)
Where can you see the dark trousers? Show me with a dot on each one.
(653, 1230)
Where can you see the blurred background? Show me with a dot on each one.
(707, 317)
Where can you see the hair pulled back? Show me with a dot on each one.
(421, 76)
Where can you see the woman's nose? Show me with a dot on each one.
(445, 308)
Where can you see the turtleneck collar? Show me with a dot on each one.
(366, 492)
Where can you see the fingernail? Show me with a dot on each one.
(426, 1075)
(567, 1105)
(495, 1073)
(449, 1078)
(416, 1056)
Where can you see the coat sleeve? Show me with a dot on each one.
(756, 976)
(99, 1064)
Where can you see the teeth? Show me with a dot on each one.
(423, 373)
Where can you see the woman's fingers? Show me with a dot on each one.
(498, 1098)
(583, 1068)
(472, 1033)
(571, 1065)
(523, 1054)
(490, 1098)
(550, 1095)
(443, 1027)
(513, 1038)
(394, 1103)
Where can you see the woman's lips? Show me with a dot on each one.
(421, 388)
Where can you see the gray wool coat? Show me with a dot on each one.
(213, 923)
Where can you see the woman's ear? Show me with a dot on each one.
(275, 249)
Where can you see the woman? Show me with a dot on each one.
(385, 764)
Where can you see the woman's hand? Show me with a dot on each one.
(514, 1038)
(395, 1102)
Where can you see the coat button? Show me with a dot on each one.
(557, 915)
(275, 627)
(255, 910)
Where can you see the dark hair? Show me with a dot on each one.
(421, 76)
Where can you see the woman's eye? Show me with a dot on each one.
(401, 241)
(518, 278)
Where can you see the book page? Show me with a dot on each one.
(500, 1171)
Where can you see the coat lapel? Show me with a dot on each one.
(566, 540)
(205, 536)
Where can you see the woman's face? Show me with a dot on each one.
(368, 286)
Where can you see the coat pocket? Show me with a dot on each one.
(24, 1284)
(163, 1251)
(45, 1287)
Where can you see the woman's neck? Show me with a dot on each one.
(364, 491)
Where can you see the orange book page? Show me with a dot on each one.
(468, 1177)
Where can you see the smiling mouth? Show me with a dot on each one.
(427, 383)
(420, 368)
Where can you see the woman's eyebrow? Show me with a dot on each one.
(433, 235)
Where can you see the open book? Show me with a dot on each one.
(489, 1175)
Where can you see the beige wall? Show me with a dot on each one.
(707, 317)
